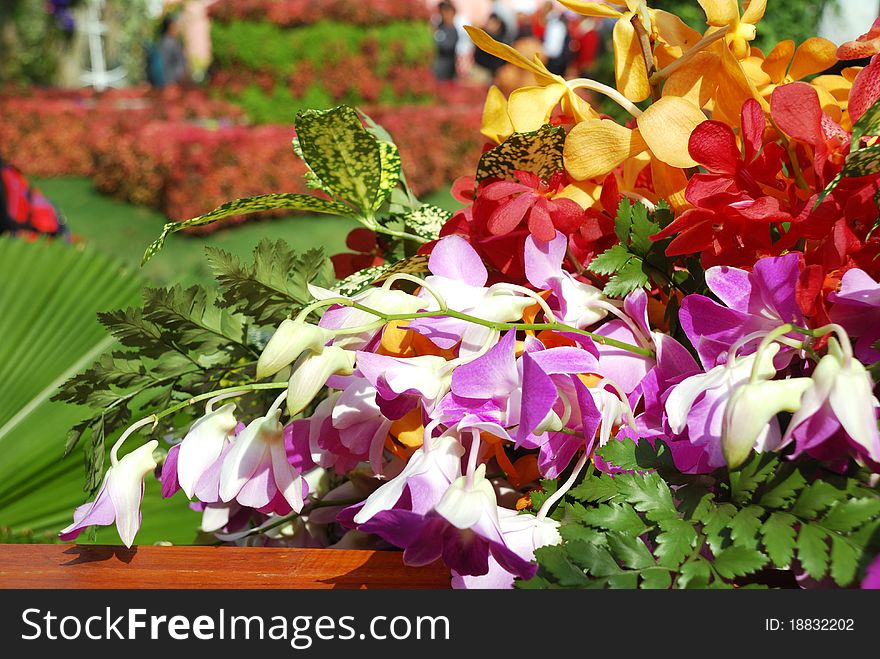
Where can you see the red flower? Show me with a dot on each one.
(531, 200)
(366, 253)
(736, 201)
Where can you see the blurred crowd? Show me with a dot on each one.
(569, 43)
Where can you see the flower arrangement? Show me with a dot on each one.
(641, 355)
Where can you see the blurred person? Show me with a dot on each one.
(511, 77)
(496, 29)
(174, 65)
(556, 38)
(586, 44)
(508, 17)
(446, 38)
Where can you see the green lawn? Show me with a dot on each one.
(124, 230)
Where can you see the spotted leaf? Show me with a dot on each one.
(344, 156)
(258, 204)
(538, 152)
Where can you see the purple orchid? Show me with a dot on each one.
(119, 498)
(753, 304)
(839, 409)
(256, 471)
(697, 405)
(203, 444)
(523, 534)
(857, 308)
(576, 303)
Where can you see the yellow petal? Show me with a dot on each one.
(575, 106)
(496, 121)
(838, 86)
(753, 10)
(666, 127)
(720, 12)
(752, 67)
(812, 56)
(672, 30)
(629, 64)
(672, 37)
(670, 184)
(696, 81)
(584, 193)
(595, 147)
(734, 89)
(777, 61)
(530, 107)
(486, 43)
(851, 72)
(829, 104)
(591, 9)
(632, 168)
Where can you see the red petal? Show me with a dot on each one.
(527, 178)
(865, 89)
(696, 239)
(752, 128)
(795, 109)
(501, 189)
(703, 186)
(463, 189)
(686, 220)
(809, 288)
(763, 209)
(610, 195)
(361, 240)
(713, 145)
(540, 224)
(509, 214)
(567, 216)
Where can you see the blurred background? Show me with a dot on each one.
(119, 115)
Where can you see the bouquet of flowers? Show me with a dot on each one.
(642, 354)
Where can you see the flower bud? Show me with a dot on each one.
(290, 340)
(312, 374)
(750, 410)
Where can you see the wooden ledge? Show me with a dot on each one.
(104, 566)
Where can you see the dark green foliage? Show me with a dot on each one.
(184, 342)
(635, 529)
(636, 261)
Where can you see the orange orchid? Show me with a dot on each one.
(667, 32)
(785, 64)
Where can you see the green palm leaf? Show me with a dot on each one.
(50, 294)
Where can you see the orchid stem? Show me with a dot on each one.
(610, 92)
(647, 54)
(500, 326)
(562, 491)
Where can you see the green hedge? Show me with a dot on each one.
(273, 71)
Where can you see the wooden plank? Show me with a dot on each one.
(101, 566)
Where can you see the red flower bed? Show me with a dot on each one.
(164, 151)
(300, 12)
(49, 132)
(184, 169)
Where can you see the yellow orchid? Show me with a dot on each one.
(528, 108)
(741, 28)
(597, 146)
(669, 35)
